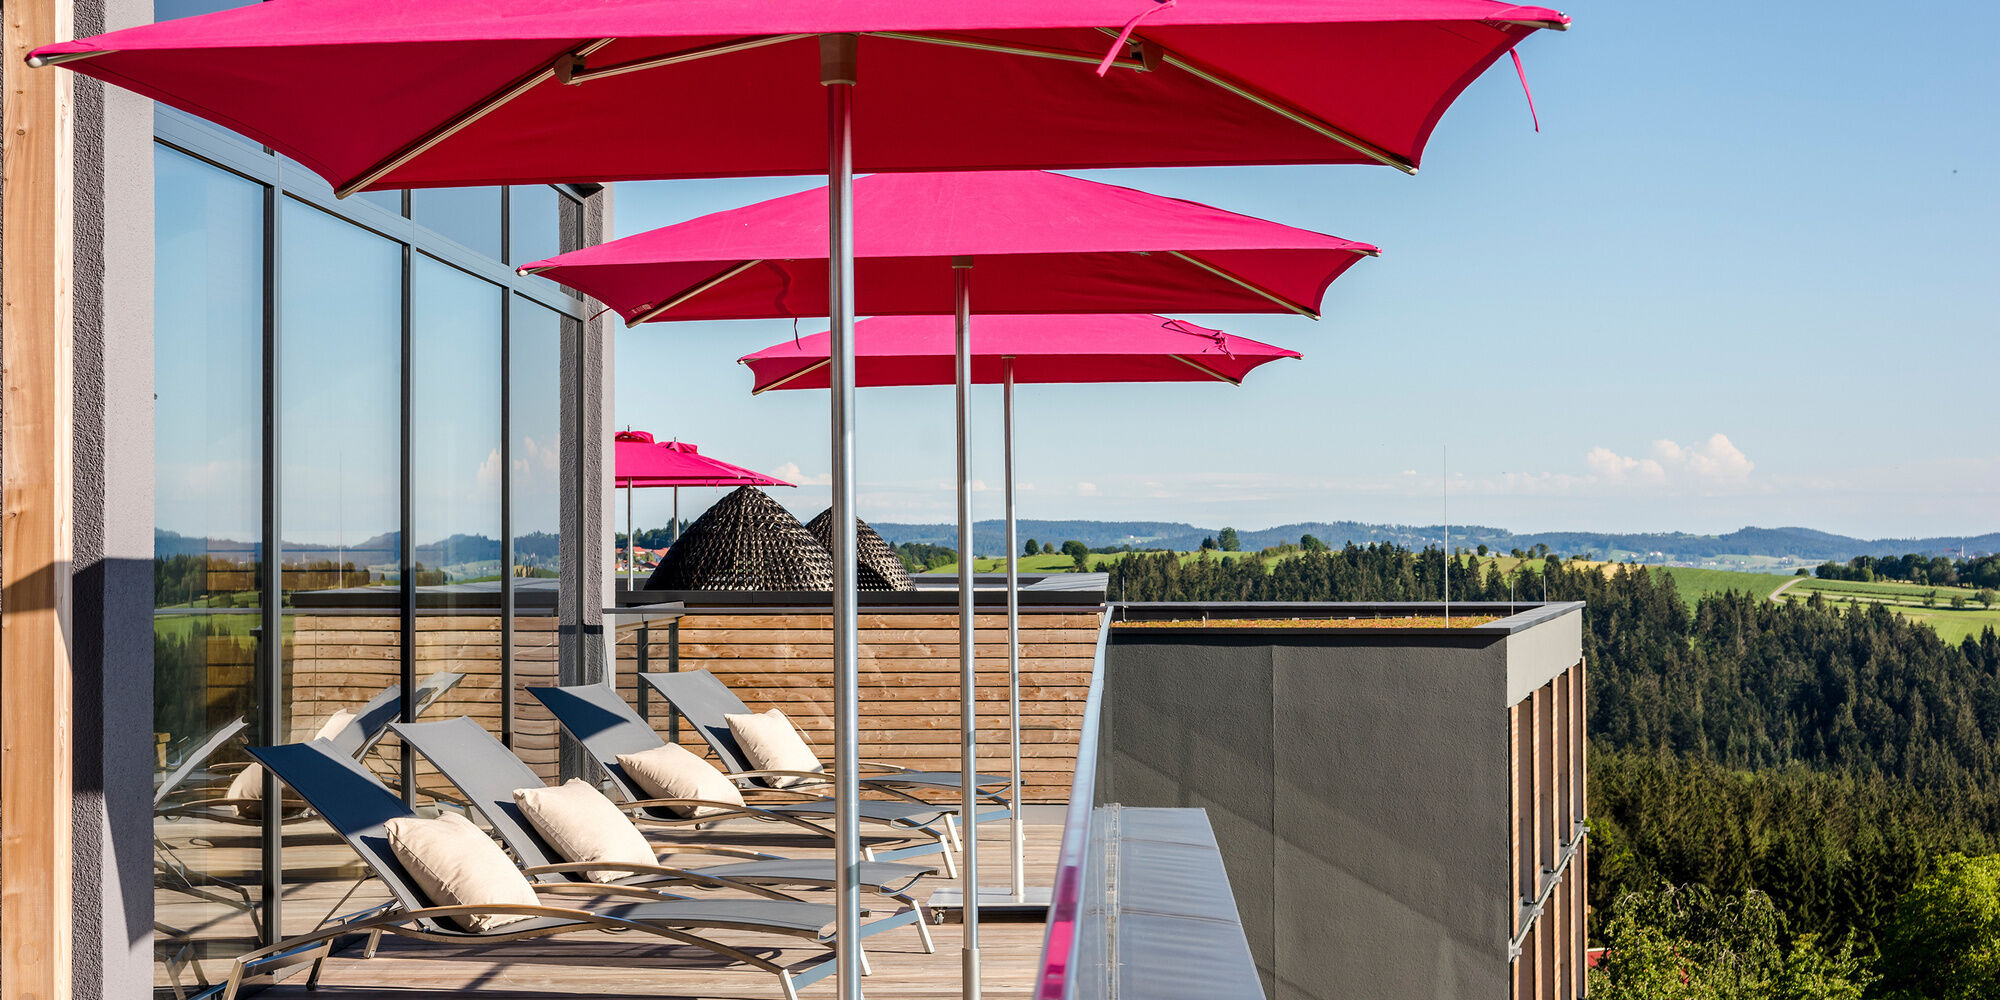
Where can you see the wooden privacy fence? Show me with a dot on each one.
(909, 682)
(770, 658)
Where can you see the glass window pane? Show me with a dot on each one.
(467, 215)
(391, 200)
(340, 297)
(455, 486)
(535, 413)
(208, 374)
(534, 222)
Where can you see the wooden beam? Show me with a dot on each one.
(35, 531)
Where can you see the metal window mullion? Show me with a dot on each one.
(506, 516)
(271, 641)
(407, 590)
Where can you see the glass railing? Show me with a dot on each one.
(1067, 946)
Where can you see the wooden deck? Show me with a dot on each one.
(607, 965)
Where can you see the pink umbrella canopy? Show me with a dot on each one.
(1041, 243)
(639, 461)
(428, 93)
(918, 350)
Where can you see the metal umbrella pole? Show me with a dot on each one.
(1017, 841)
(631, 540)
(961, 272)
(837, 74)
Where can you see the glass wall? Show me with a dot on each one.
(209, 298)
(406, 491)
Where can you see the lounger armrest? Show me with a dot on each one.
(665, 871)
(817, 777)
(727, 852)
(645, 805)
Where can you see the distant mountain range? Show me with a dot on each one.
(1781, 543)
(989, 539)
(379, 550)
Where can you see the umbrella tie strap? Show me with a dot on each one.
(1221, 339)
(1125, 34)
(1522, 72)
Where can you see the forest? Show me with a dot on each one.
(1831, 765)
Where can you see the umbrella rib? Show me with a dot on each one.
(793, 377)
(692, 292)
(1198, 366)
(1282, 109)
(1247, 284)
(486, 106)
(581, 75)
(1009, 48)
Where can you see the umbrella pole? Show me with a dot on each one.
(968, 719)
(631, 540)
(676, 536)
(837, 73)
(1018, 836)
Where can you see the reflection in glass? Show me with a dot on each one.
(534, 223)
(456, 365)
(341, 291)
(470, 216)
(208, 374)
(391, 200)
(535, 415)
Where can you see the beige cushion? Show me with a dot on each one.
(771, 743)
(249, 783)
(455, 864)
(671, 772)
(582, 825)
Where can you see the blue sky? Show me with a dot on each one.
(1746, 274)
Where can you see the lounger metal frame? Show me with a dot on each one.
(358, 809)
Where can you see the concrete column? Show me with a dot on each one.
(587, 516)
(111, 846)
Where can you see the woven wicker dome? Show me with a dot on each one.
(877, 568)
(747, 541)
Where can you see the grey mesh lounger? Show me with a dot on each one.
(488, 773)
(370, 724)
(600, 720)
(357, 806)
(705, 702)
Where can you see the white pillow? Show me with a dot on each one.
(582, 825)
(669, 771)
(455, 864)
(772, 743)
(249, 783)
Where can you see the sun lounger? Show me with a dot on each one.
(488, 774)
(705, 702)
(600, 720)
(357, 807)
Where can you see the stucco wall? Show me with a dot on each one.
(1359, 791)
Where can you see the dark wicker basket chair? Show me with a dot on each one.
(877, 567)
(747, 541)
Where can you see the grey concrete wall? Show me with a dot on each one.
(1358, 789)
(112, 661)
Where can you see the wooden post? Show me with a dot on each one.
(35, 527)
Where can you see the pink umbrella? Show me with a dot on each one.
(1016, 349)
(1050, 244)
(639, 461)
(388, 94)
(921, 350)
(400, 93)
(1043, 243)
